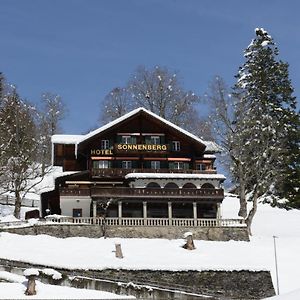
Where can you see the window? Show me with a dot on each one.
(171, 185)
(155, 164)
(59, 149)
(104, 144)
(126, 139)
(155, 140)
(153, 185)
(176, 146)
(207, 186)
(77, 212)
(201, 167)
(126, 164)
(101, 164)
(177, 165)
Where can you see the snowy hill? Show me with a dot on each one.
(258, 254)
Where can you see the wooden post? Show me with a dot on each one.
(189, 245)
(30, 291)
(118, 251)
(31, 275)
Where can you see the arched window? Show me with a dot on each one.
(207, 186)
(153, 185)
(189, 185)
(171, 185)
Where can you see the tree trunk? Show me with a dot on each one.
(30, 291)
(252, 212)
(18, 202)
(242, 194)
(118, 251)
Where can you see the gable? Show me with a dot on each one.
(143, 121)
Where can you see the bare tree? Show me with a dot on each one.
(19, 170)
(222, 119)
(52, 112)
(158, 90)
(161, 91)
(116, 104)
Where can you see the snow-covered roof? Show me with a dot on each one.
(175, 175)
(209, 156)
(76, 139)
(66, 139)
(135, 111)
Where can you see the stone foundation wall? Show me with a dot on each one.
(96, 231)
(212, 284)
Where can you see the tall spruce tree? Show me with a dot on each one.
(264, 112)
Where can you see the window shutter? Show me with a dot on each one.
(147, 140)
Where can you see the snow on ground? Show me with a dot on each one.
(258, 254)
(16, 289)
(295, 295)
(6, 213)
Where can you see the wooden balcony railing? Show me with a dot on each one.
(151, 222)
(114, 172)
(126, 192)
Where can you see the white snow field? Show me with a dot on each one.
(258, 254)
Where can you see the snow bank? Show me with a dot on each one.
(295, 295)
(31, 272)
(15, 289)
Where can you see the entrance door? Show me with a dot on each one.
(77, 212)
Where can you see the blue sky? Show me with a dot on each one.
(81, 49)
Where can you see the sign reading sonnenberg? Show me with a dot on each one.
(141, 147)
(130, 147)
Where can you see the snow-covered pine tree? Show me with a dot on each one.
(263, 111)
(19, 170)
(288, 187)
(1, 86)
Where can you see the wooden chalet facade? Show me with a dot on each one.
(137, 169)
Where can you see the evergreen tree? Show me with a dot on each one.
(288, 187)
(264, 112)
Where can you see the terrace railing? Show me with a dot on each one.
(124, 192)
(150, 222)
(115, 172)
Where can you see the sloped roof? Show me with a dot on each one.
(77, 139)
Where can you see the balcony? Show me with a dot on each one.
(126, 192)
(119, 173)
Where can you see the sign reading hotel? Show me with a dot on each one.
(131, 147)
